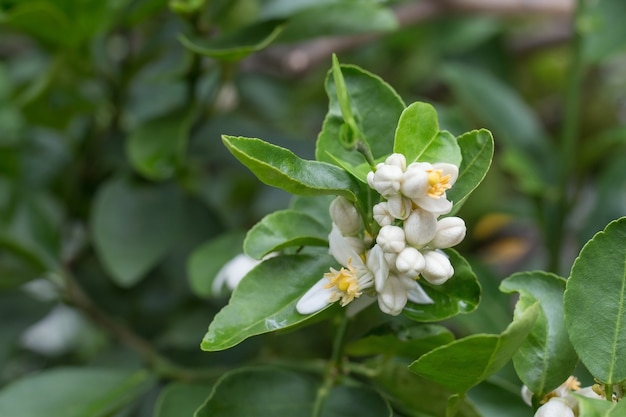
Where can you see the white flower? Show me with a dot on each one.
(386, 179)
(560, 402)
(410, 262)
(345, 216)
(450, 232)
(438, 268)
(399, 206)
(391, 239)
(555, 407)
(233, 272)
(394, 291)
(426, 185)
(420, 227)
(357, 274)
(382, 215)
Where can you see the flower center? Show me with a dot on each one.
(438, 183)
(345, 283)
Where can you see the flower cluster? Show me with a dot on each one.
(561, 402)
(408, 245)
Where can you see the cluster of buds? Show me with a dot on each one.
(560, 402)
(408, 245)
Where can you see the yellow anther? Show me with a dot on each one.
(345, 282)
(438, 183)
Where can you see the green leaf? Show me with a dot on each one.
(595, 304)
(178, 399)
(460, 294)
(73, 392)
(497, 397)
(547, 357)
(413, 395)
(283, 229)
(418, 138)
(411, 342)
(280, 392)
(592, 407)
(316, 207)
(477, 152)
(280, 168)
(156, 149)
(602, 31)
(133, 227)
(265, 300)
(376, 108)
(466, 362)
(206, 261)
(238, 44)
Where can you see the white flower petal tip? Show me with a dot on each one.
(438, 268)
(450, 232)
(555, 407)
(410, 262)
(315, 299)
(345, 215)
(420, 227)
(233, 271)
(391, 239)
(417, 295)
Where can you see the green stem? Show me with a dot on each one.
(335, 366)
(557, 211)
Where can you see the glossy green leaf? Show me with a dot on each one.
(411, 342)
(178, 399)
(206, 261)
(281, 168)
(283, 229)
(591, 407)
(73, 392)
(156, 149)
(280, 392)
(595, 304)
(466, 362)
(547, 357)
(413, 395)
(417, 137)
(497, 397)
(133, 227)
(316, 207)
(265, 300)
(237, 44)
(477, 152)
(375, 106)
(460, 294)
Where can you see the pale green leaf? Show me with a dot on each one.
(593, 407)
(547, 357)
(283, 229)
(265, 300)
(466, 362)
(595, 304)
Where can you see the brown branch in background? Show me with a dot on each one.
(295, 60)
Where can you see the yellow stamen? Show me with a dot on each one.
(345, 282)
(438, 183)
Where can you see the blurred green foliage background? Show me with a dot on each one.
(113, 174)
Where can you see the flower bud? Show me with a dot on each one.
(415, 180)
(399, 207)
(555, 407)
(345, 216)
(450, 232)
(438, 268)
(420, 227)
(410, 262)
(391, 239)
(396, 159)
(382, 215)
(386, 179)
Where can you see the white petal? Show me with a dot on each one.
(450, 232)
(438, 268)
(378, 265)
(344, 248)
(527, 395)
(233, 272)
(410, 262)
(555, 407)
(315, 299)
(448, 169)
(345, 216)
(382, 215)
(396, 159)
(416, 294)
(399, 207)
(420, 227)
(393, 296)
(589, 393)
(415, 180)
(435, 205)
(391, 239)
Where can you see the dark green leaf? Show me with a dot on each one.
(237, 44)
(411, 342)
(602, 30)
(133, 227)
(265, 300)
(592, 407)
(180, 400)
(362, 401)
(73, 392)
(316, 207)
(595, 304)
(477, 152)
(283, 229)
(206, 261)
(547, 357)
(156, 148)
(460, 294)
(466, 362)
(498, 398)
(280, 168)
(376, 107)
